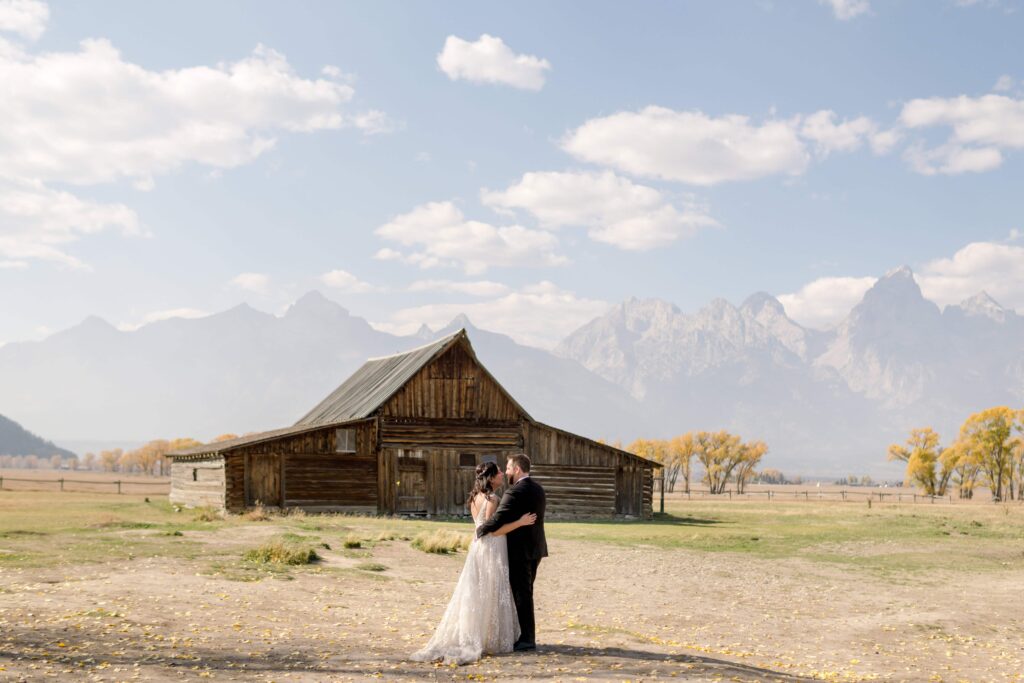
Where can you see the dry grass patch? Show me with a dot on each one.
(441, 542)
(257, 514)
(281, 552)
(207, 514)
(371, 566)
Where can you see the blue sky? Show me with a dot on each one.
(529, 163)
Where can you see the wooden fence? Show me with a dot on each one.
(122, 486)
(838, 495)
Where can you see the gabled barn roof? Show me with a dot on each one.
(381, 378)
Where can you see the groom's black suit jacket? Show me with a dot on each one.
(526, 542)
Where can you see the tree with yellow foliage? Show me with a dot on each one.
(109, 459)
(681, 450)
(719, 453)
(922, 455)
(1017, 463)
(987, 435)
(750, 455)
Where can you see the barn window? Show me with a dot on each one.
(195, 474)
(467, 460)
(345, 441)
(489, 458)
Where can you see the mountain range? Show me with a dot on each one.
(16, 440)
(826, 402)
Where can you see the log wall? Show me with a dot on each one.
(585, 478)
(198, 483)
(453, 386)
(305, 471)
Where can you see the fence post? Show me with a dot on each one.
(61, 480)
(844, 494)
(1, 483)
(118, 482)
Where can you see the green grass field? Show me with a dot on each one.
(50, 530)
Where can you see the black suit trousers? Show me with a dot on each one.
(521, 573)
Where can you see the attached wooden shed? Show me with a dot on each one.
(403, 435)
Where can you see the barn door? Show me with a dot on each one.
(263, 479)
(412, 482)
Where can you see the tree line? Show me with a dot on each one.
(725, 458)
(150, 458)
(988, 451)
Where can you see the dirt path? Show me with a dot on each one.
(604, 613)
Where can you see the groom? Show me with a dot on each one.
(526, 545)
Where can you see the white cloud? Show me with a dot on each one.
(1004, 83)
(847, 9)
(36, 222)
(251, 282)
(484, 288)
(829, 136)
(156, 316)
(345, 281)
(689, 146)
(952, 159)
(441, 236)
(614, 209)
(89, 117)
(883, 141)
(92, 117)
(825, 301)
(540, 315)
(981, 128)
(374, 122)
(489, 60)
(27, 18)
(980, 266)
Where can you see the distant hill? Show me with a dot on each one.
(16, 440)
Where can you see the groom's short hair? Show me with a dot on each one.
(520, 460)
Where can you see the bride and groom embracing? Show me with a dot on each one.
(491, 610)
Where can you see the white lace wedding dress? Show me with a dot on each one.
(481, 616)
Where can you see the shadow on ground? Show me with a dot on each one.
(31, 652)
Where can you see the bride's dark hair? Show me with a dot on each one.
(485, 471)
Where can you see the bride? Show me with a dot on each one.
(481, 616)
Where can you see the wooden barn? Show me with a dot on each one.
(403, 435)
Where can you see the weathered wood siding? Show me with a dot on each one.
(304, 471)
(431, 481)
(584, 478)
(468, 435)
(198, 483)
(453, 386)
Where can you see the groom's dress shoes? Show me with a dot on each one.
(523, 647)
